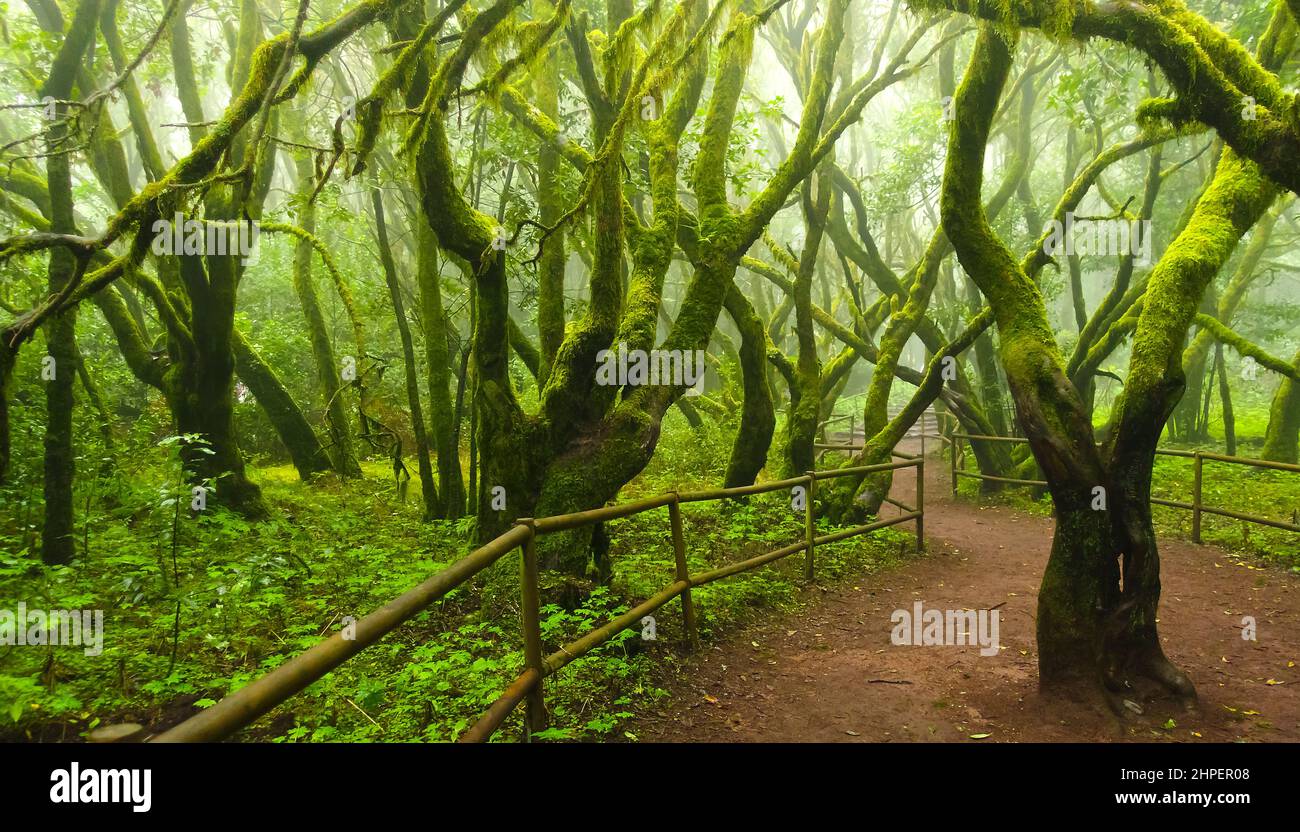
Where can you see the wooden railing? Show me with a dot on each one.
(258, 697)
(918, 430)
(1196, 506)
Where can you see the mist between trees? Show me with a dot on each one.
(503, 248)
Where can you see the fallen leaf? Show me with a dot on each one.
(980, 736)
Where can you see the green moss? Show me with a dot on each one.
(336, 275)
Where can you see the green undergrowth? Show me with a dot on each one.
(1263, 493)
(188, 623)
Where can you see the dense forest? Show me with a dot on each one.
(303, 303)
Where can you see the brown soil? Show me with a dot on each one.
(829, 672)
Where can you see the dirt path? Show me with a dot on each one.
(829, 672)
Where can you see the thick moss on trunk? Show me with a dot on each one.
(428, 490)
(1282, 439)
(505, 444)
(57, 542)
(340, 451)
(806, 389)
(1082, 568)
(550, 267)
(201, 397)
(437, 355)
(1194, 357)
(990, 383)
(875, 411)
(1236, 199)
(1080, 581)
(758, 416)
(57, 539)
(309, 458)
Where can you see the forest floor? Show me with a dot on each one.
(829, 672)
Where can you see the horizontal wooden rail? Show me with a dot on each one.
(604, 633)
(1250, 518)
(823, 447)
(1008, 480)
(563, 522)
(250, 702)
(501, 709)
(1012, 439)
(739, 490)
(1197, 507)
(1254, 463)
(530, 681)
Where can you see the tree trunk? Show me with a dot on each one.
(757, 420)
(1282, 438)
(550, 206)
(1225, 396)
(429, 491)
(1194, 357)
(340, 451)
(437, 354)
(805, 392)
(57, 541)
(309, 458)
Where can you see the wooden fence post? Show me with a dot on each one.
(1196, 498)
(683, 573)
(810, 524)
(530, 603)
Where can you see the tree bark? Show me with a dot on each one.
(429, 491)
(437, 354)
(340, 452)
(309, 457)
(57, 539)
(1282, 438)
